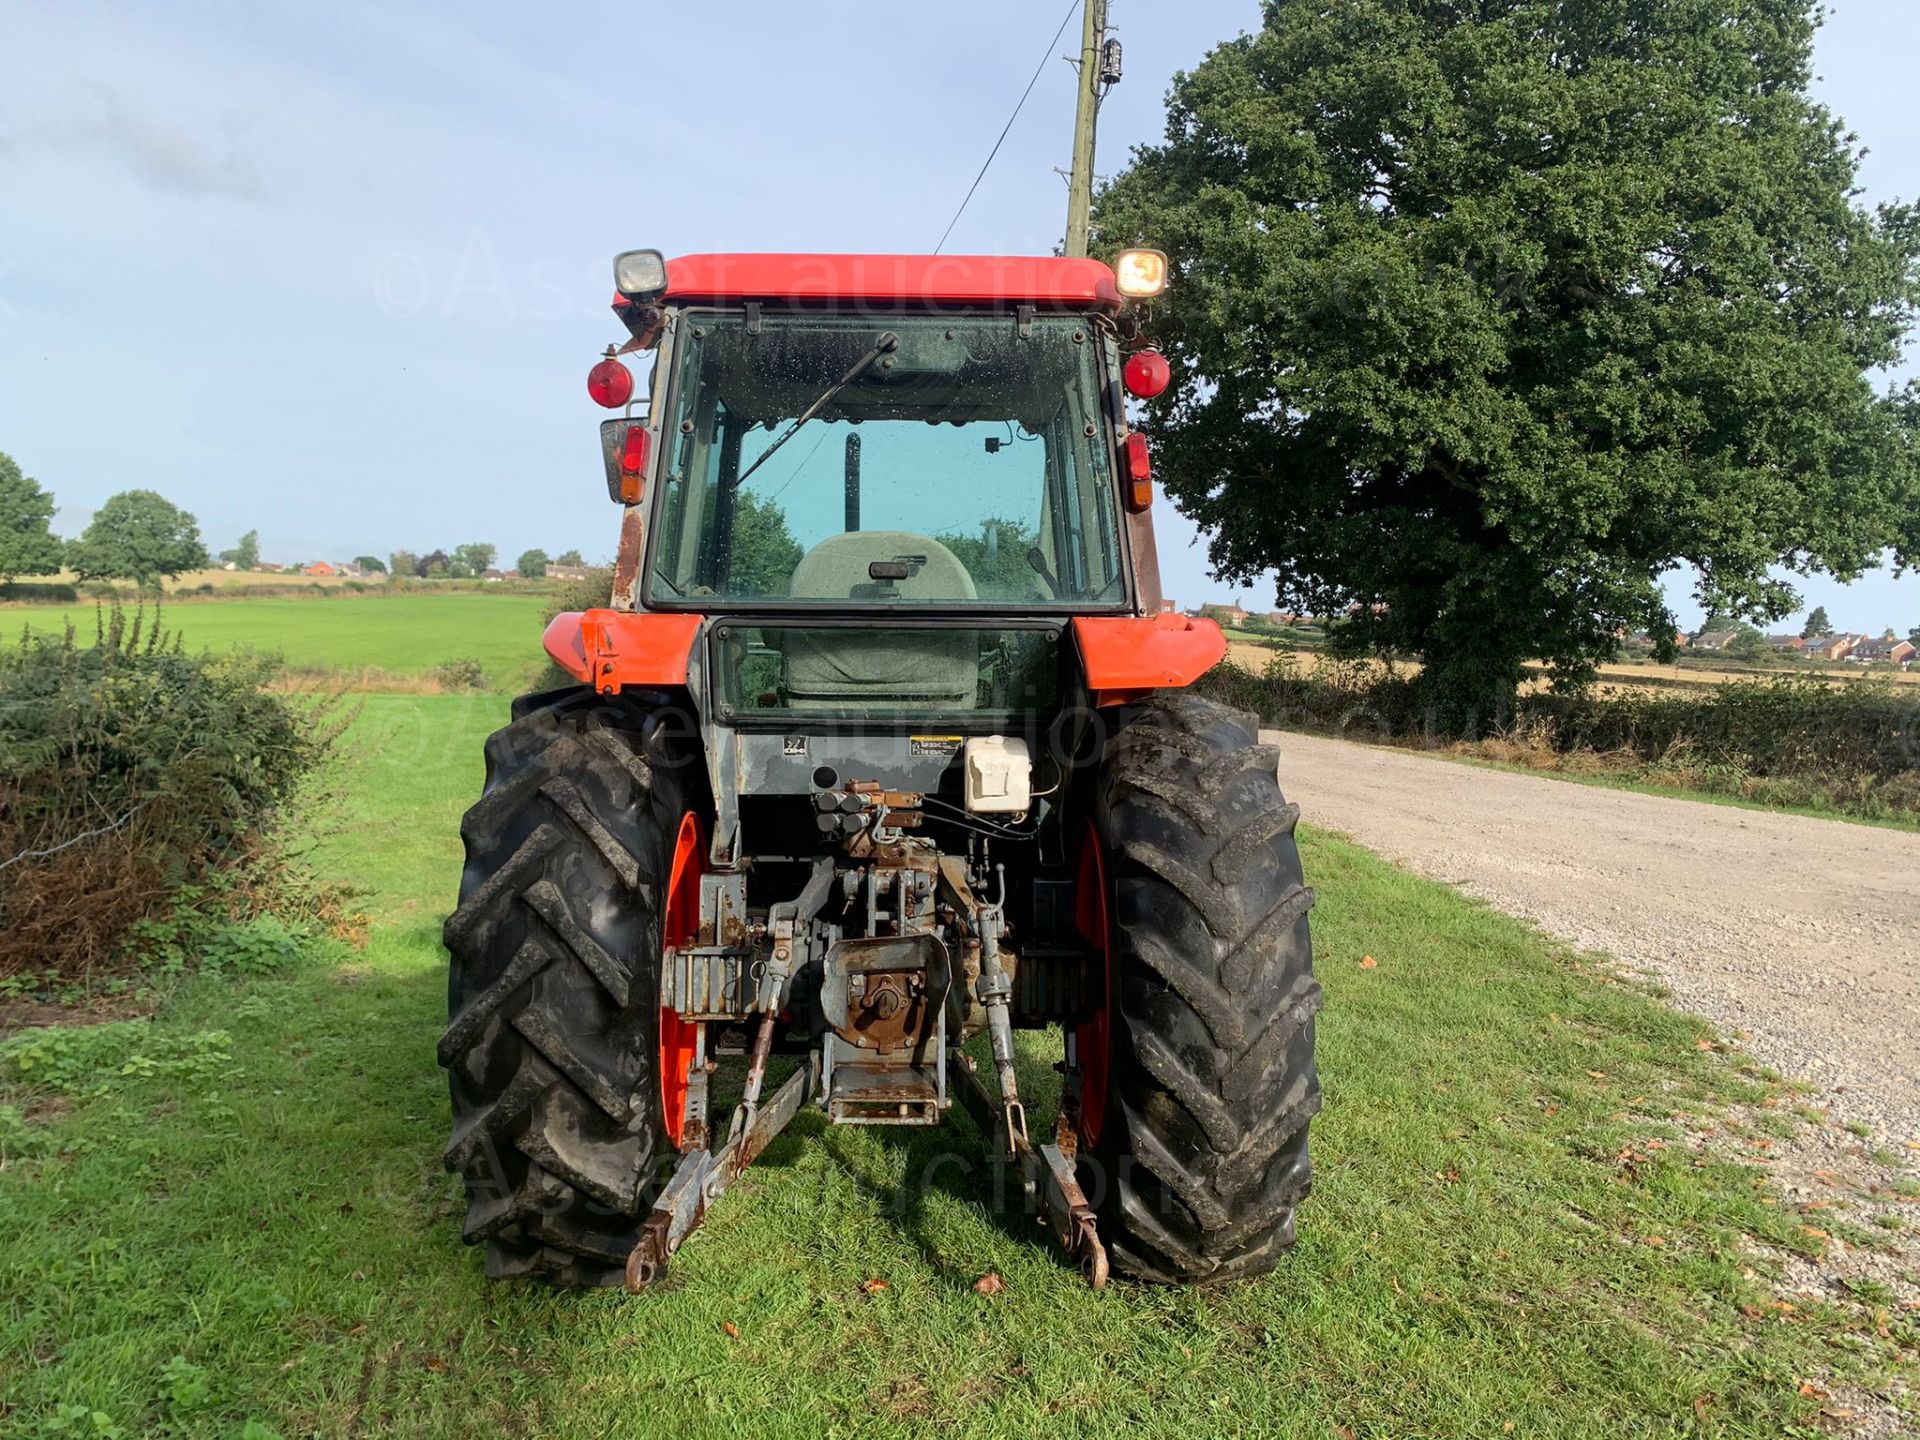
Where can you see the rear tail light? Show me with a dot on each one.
(1139, 473)
(633, 466)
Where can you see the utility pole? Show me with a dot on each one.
(1093, 35)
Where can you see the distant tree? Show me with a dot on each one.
(997, 558)
(1888, 634)
(1489, 314)
(433, 564)
(764, 551)
(472, 559)
(245, 555)
(568, 557)
(372, 564)
(28, 545)
(1748, 643)
(403, 562)
(532, 565)
(138, 535)
(1817, 623)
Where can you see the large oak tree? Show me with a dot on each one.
(1486, 315)
(138, 535)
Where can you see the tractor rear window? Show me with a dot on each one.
(861, 672)
(894, 461)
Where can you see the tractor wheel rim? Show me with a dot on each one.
(1093, 1039)
(679, 924)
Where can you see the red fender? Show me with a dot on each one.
(1126, 657)
(611, 648)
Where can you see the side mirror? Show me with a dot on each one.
(624, 446)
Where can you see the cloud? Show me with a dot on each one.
(161, 153)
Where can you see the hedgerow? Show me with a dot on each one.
(1787, 740)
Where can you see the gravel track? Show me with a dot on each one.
(1802, 934)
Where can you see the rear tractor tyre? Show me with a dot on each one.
(1199, 1074)
(554, 1051)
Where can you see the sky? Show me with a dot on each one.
(337, 272)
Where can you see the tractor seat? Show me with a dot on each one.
(881, 669)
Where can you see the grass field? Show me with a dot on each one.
(234, 1215)
(403, 635)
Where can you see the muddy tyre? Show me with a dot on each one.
(553, 1046)
(1194, 1140)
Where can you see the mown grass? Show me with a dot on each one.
(262, 1232)
(405, 635)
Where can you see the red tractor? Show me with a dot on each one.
(882, 742)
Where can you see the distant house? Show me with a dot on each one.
(566, 572)
(321, 567)
(1715, 639)
(350, 570)
(1282, 617)
(1794, 643)
(1167, 607)
(494, 576)
(1830, 647)
(1233, 615)
(269, 567)
(1882, 652)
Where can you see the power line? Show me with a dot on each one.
(1009, 125)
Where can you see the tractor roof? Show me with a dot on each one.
(1079, 284)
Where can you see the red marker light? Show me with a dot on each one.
(1139, 472)
(1146, 374)
(610, 383)
(633, 456)
(633, 466)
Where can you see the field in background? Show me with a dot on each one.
(1253, 655)
(405, 636)
(1535, 1213)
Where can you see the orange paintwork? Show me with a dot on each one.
(1126, 657)
(611, 648)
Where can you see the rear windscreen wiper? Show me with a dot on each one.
(885, 345)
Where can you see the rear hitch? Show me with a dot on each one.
(1046, 1171)
(703, 1176)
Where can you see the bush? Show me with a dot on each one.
(129, 770)
(461, 675)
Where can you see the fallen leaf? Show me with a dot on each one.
(358, 1329)
(1597, 1074)
(1703, 1045)
(1700, 1403)
(989, 1284)
(1656, 1240)
(1553, 1109)
(436, 1365)
(1344, 1432)
(733, 1330)
(873, 1287)
(1812, 1391)
(1367, 962)
(1506, 1427)
(1816, 1234)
